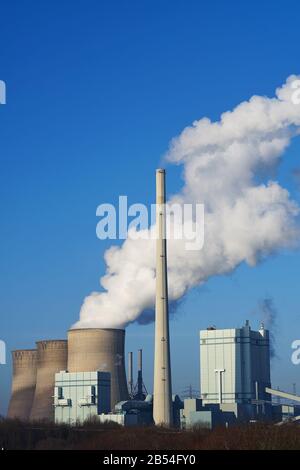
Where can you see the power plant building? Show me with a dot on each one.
(234, 365)
(81, 396)
(89, 350)
(84, 378)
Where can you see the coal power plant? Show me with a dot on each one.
(83, 377)
(86, 350)
(42, 392)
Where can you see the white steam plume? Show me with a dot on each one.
(227, 166)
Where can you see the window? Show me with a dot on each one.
(93, 394)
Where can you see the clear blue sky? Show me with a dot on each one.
(95, 91)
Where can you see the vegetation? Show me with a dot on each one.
(94, 436)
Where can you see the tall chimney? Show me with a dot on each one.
(130, 374)
(162, 400)
(140, 374)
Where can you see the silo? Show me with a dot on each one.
(51, 358)
(92, 349)
(23, 383)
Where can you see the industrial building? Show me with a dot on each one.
(196, 414)
(81, 396)
(140, 412)
(131, 413)
(235, 380)
(234, 365)
(88, 351)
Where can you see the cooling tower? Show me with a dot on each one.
(51, 358)
(23, 383)
(92, 349)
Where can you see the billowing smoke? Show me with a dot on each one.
(228, 166)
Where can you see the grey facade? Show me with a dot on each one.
(234, 365)
(81, 396)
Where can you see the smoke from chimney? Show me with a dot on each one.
(268, 315)
(228, 166)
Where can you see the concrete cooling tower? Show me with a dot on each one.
(23, 383)
(51, 358)
(92, 349)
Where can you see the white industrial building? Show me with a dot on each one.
(83, 396)
(80, 396)
(234, 365)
